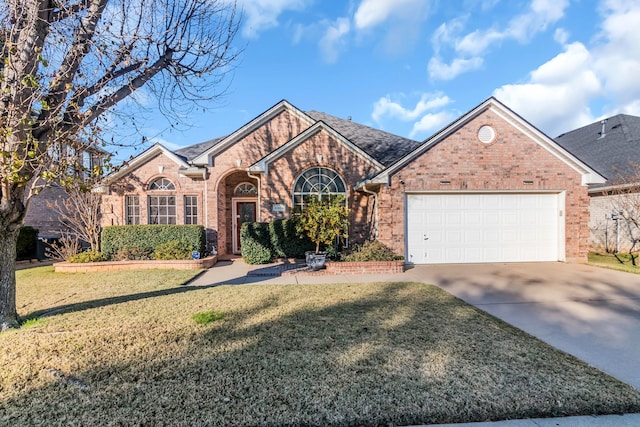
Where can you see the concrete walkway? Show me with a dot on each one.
(590, 312)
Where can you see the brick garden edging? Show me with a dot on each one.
(365, 267)
(69, 267)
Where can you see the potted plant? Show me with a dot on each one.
(323, 220)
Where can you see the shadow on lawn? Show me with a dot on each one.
(407, 354)
(103, 302)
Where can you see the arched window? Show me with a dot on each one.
(245, 189)
(162, 208)
(162, 184)
(317, 182)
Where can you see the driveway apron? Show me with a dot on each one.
(590, 312)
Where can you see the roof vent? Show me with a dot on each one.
(349, 118)
(602, 132)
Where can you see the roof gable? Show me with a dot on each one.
(589, 176)
(203, 158)
(263, 164)
(150, 153)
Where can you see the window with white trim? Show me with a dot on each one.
(162, 184)
(190, 209)
(162, 209)
(321, 183)
(132, 208)
(245, 189)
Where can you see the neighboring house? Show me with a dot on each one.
(612, 147)
(487, 188)
(41, 215)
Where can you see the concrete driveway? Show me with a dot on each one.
(592, 313)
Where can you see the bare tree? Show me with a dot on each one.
(624, 201)
(64, 63)
(79, 214)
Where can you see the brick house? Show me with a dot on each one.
(489, 187)
(610, 146)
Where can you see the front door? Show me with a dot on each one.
(243, 211)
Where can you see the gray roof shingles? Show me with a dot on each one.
(385, 147)
(616, 155)
(192, 151)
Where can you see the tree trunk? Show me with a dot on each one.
(8, 315)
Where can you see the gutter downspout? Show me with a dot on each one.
(259, 207)
(375, 210)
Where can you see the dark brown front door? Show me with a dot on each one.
(245, 212)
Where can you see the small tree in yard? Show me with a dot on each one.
(65, 63)
(324, 220)
(79, 214)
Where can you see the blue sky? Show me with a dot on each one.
(412, 66)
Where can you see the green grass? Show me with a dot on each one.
(346, 354)
(610, 261)
(206, 317)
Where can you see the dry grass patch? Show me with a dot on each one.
(351, 354)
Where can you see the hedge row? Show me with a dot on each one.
(263, 241)
(116, 238)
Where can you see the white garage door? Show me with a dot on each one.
(460, 228)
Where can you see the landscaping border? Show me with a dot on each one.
(198, 264)
(365, 267)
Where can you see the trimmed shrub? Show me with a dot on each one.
(27, 245)
(372, 250)
(173, 249)
(286, 241)
(133, 253)
(255, 242)
(88, 256)
(115, 238)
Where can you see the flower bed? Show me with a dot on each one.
(68, 267)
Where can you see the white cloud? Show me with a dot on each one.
(431, 122)
(559, 94)
(425, 120)
(332, 42)
(385, 107)
(261, 15)
(469, 48)
(441, 71)
(371, 13)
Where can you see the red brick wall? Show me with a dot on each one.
(471, 165)
(333, 155)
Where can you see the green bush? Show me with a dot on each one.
(286, 241)
(132, 253)
(88, 256)
(27, 245)
(115, 238)
(255, 242)
(173, 249)
(372, 250)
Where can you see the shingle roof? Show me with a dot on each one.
(192, 151)
(385, 147)
(613, 155)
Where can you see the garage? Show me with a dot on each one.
(484, 227)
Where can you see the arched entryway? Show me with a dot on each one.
(238, 203)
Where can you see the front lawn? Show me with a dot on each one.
(622, 262)
(152, 352)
